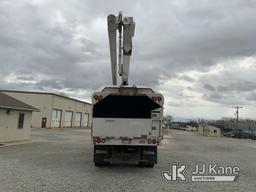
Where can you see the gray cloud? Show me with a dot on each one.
(252, 96)
(56, 45)
(213, 96)
(225, 99)
(209, 87)
(238, 86)
(187, 78)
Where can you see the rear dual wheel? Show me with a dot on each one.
(148, 164)
(100, 164)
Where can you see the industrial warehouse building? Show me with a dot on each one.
(209, 130)
(55, 110)
(15, 119)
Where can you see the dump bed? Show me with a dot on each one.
(127, 112)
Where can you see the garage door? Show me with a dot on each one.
(78, 119)
(68, 119)
(86, 119)
(56, 118)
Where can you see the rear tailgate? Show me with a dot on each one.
(133, 116)
(117, 127)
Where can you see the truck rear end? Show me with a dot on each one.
(127, 125)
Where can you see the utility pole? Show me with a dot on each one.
(237, 116)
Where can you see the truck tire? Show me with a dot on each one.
(101, 163)
(142, 164)
(99, 158)
(97, 164)
(148, 156)
(150, 164)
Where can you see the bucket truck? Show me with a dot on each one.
(127, 120)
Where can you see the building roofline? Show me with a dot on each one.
(19, 108)
(9, 102)
(45, 93)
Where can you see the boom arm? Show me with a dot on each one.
(125, 27)
(112, 27)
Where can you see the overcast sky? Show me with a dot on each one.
(200, 54)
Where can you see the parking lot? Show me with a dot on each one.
(61, 160)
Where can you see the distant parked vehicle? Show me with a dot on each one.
(189, 128)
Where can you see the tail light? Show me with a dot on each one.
(98, 140)
(153, 142)
(98, 97)
(95, 140)
(157, 99)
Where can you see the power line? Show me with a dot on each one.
(237, 116)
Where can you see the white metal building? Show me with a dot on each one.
(15, 119)
(55, 110)
(209, 130)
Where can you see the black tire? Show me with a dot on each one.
(101, 163)
(97, 164)
(142, 164)
(150, 164)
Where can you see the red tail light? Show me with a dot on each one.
(95, 139)
(96, 97)
(98, 140)
(158, 98)
(153, 142)
(100, 97)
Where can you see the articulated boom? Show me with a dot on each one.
(127, 120)
(125, 27)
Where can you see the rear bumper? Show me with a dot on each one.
(126, 141)
(114, 152)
